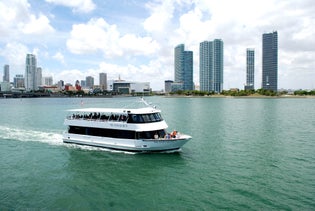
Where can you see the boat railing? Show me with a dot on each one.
(99, 117)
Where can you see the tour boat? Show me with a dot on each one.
(136, 129)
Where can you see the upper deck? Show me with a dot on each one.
(130, 119)
(146, 110)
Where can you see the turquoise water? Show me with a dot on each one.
(246, 154)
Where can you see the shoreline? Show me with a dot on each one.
(249, 97)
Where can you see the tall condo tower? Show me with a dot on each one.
(211, 65)
(183, 67)
(38, 78)
(89, 82)
(6, 73)
(103, 81)
(250, 69)
(30, 72)
(270, 61)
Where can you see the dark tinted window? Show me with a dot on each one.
(102, 132)
(144, 118)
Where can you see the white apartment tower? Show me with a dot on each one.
(30, 71)
(33, 74)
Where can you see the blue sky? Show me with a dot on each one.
(135, 39)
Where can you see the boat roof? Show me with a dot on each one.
(145, 110)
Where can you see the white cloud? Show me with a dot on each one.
(15, 54)
(83, 6)
(59, 57)
(17, 19)
(97, 35)
(138, 45)
(161, 15)
(38, 25)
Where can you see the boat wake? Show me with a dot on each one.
(19, 134)
(52, 138)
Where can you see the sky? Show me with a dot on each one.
(135, 39)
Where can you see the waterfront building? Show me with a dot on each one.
(103, 81)
(250, 69)
(77, 85)
(89, 82)
(48, 81)
(60, 84)
(6, 73)
(30, 71)
(33, 74)
(128, 87)
(270, 61)
(83, 83)
(211, 65)
(183, 67)
(177, 86)
(5, 86)
(168, 86)
(18, 81)
(38, 78)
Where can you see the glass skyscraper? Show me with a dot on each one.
(183, 67)
(30, 72)
(270, 61)
(103, 81)
(6, 73)
(211, 65)
(250, 69)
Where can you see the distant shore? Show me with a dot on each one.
(249, 96)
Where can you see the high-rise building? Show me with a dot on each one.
(30, 70)
(103, 81)
(33, 74)
(38, 78)
(6, 73)
(270, 61)
(83, 83)
(206, 66)
(250, 69)
(48, 81)
(211, 65)
(18, 81)
(89, 82)
(183, 67)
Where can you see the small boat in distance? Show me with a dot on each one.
(137, 130)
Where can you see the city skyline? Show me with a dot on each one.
(136, 39)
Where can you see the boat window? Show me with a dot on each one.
(144, 118)
(151, 134)
(112, 133)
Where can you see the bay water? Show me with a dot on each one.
(245, 154)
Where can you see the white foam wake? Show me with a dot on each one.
(19, 134)
(52, 138)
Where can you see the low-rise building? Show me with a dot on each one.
(127, 87)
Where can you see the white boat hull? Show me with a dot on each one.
(135, 145)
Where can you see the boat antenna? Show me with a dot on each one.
(146, 103)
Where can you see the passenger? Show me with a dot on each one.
(156, 136)
(173, 134)
(167, 136)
